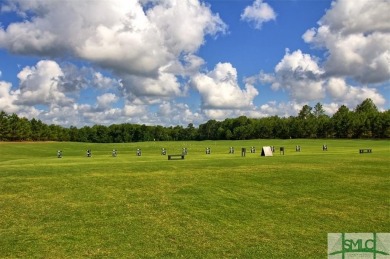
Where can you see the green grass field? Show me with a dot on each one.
(206, 206)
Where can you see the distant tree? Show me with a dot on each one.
(128, 131)
(242, 132)
(221, 133)
(73, 134)
(240, 121)
(282, 128)
(227, 124)
(191, 132)
(324, 126)
(160, 133)
(318, 110)
(383, 129)
(146, 133)
(305, 112)
(367, 106)
(228, 134)
(342, 122)
(208, 130)
(15, 130)
(84, 133)
(306, 123)
(5, 128)
(364, 119)
(177, 133)
(24, 129)
(377, 122)
(265, 127)
(54, 132)
(296, 126)
(36, 128)
(45, 132)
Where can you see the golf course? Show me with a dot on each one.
(216, 205)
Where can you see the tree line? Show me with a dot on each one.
(365, 121)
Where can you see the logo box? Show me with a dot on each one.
(358, 245)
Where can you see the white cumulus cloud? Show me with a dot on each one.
(219, 89)
(258, 13)
(173, 113)
(39, 85)
(7, 98)
(303, 78)
(145, 40)
(163, 85)
(350, 95)
(104, 101)
(356, 36)
(300, 75)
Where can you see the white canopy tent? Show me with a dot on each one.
(266, 151)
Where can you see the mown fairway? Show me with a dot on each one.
(206, 206)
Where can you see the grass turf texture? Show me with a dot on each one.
(206, 206)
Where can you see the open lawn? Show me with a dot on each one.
(205, 206)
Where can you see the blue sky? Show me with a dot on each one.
(172, 62)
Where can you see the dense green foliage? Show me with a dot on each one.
(364, 122)
(206, 206)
